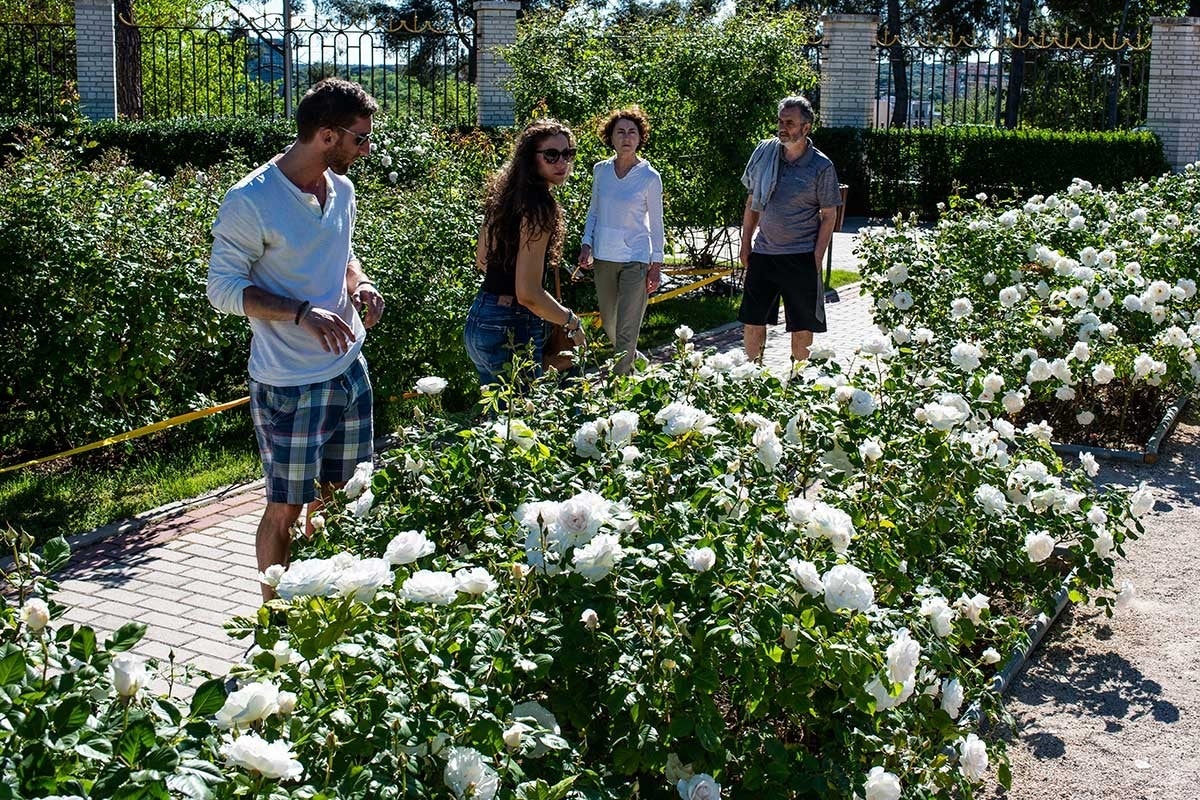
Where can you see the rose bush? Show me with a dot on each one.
(727, 579)
(1080, 307)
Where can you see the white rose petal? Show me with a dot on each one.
(251, 703)
(469, 776)
(1039, 546)
(426, 586)
(35, 614)
(701, 559)
(273, 760)
(847, 587)
(128, 674)
(407, 546)
(699, 787)
(431, 385)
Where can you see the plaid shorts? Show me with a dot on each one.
(315, 432)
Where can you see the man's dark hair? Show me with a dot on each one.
(801, 102)
(332, 103)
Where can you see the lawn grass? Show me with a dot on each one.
(84, 492)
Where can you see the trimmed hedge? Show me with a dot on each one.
(163, 146)
(896, 169)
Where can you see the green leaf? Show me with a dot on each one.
(126, 637)
(136, 741)
(96, 749)
(55, 554)
(83, 644)
(12, 668)
(1004, 775)
(208, 699)
(1075, 595)
(70, 715)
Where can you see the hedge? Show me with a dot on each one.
(898, 169)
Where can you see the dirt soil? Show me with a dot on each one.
(1110, 708)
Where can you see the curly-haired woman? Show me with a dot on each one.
(623, 236)
(522, 232)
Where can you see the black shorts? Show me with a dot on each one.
(796, 277)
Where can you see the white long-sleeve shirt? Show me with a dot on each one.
(272, 235)
(625, 218)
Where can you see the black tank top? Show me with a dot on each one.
(499, 280)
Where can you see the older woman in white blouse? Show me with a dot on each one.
(623, 236)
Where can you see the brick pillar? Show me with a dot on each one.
(1173, 105)
(848, 76)
(96, 58)
(495, 27)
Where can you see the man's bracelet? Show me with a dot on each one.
(302, 310)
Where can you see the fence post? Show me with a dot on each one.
(1173, 104)
(848, 72)
(495, 27)
(96, 58)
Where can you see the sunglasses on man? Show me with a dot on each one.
(359, 138)
(552, 155)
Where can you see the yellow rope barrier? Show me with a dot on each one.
(121, 437)
(658, 298)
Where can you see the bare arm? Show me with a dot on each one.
(825, 233)
(332, 331)
(749, 225)
(363, 293)
(481, 248)
(531, 259)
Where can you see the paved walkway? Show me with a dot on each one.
(185, 574)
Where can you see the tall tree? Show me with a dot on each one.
(129, 61)
(1016, 76)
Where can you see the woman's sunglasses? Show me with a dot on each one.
(552, 155)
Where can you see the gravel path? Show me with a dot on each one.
(1110, 708)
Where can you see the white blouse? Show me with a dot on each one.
(625, 218)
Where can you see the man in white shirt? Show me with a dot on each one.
(792, 205)
(282, 257)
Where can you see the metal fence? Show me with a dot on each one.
(37, 67)
(1060, 83)
(238, 67)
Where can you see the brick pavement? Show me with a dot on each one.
(186, 574)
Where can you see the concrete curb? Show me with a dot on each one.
(1148, 455)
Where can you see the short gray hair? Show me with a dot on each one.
(801, 102)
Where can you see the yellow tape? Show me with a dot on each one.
(121, 437)
(658, 298)
(694, 271)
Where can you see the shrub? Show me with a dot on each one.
(914, 169)
(633, 573)
(1083, 303)
(708, 102)
(165, 146)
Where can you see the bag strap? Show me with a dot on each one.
(557, 283)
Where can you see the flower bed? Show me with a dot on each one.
(1081, 308)
(700, 581)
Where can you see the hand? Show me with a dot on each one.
(369, 302)
(331, 330)
(744, 255)
(654, 277)
(577, 336)
(585, 257)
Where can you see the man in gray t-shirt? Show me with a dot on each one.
(792, 204)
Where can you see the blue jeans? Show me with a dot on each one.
(497, 325)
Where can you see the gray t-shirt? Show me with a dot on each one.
(790, 219)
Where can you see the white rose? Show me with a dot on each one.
(431, 385)
(699, 787)
(313, 577)
(870, 450)
(1039, 546)
(597, 558)
(513, 734)
(515, 431)
(128, 674)
(542, 719)
(961, 308)
(362, 506)
(882, 785)
(1103, 373)
(360, 480)
(701, 559)
(272, 760)
(832, 524)
(952, 697)
(972, 758)
(1085, 418)
(897, 274)
(252, 703)
(1142, 501)
(363, 579)
(282, 654)
(590, 619)
(683, 333)
(903, 655)
(847, 587)
(475, 581)
(991, 498)
(35, 614)
(630, 454)
(1013, 402)
(940, 614)
(965, 356)
(426, 586)
(862, 403)
(1126, 596)
(990, 656)
(271, 575)
(393, 176)
(407, 546)
(586, 440)
(805, 573)
(621, 428)
(902, 300)
(469, 776)
(287, 704)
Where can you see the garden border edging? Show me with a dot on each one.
(1148, 455)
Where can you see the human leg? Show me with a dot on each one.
(801, 344)
(273, 539)
(348, 434)
(760, 304)
(607, 275)
(630, 309)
